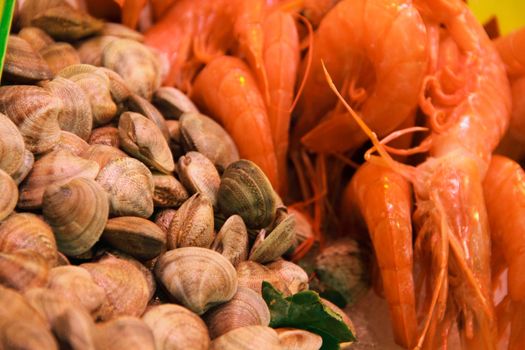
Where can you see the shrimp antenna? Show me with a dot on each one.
(308, 59)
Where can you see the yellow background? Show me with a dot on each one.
(510, 13)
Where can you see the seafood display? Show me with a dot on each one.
(248, 167)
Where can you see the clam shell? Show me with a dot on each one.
(23, 270)
(27, 164)
(77, 226)
(198, 174)
(105, 135)
(169, 192)
(246, 308)
(127, 289)
(59, 56)
(135, 63)
(117, 86)
(247, 338)
(246, 191)
(75, 115)
(103, 154)
(34, 111)
(138, 104)
(66, 23)
(199, 278)
(270, 248)
(251, 275)
(232, 240)
(29, 9)
(23, 64)
(9, 195)
(176, 327)
(163, 219)
(71, 143)
(36, 37)
(295, 278)
(192, 224)
(202, 134)
(124, 333)
(11, 146)
(90, 51)
(24, 231)
(121, 31)
(130, 187)
(298, 339)
(135, 236)
(140, 137)
(172, 102)
(58, 168)
(76, 285)
(21, 327)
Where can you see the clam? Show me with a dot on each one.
(135, 63)
(23, 64)
(58, 168)
(198, 174)
(174, 130)
(192, 224)
(267, 249)
(75, 115)
(90, 51)
(176, 328)
(59, 55)
(27, 164)
(169, 192)
(121, 31)
(295, 278)
(251, 275)
(71, 143)
(139, 104)
(34, 111)
(21, 327)
(36, 37)
(9, 195)
(246, 308)
(163, 219)
(130, 187)
(23, 270)
(24, 231)
(105, 135)
(103, 154)
(120, 92)
(232, 240)
(202, 134)
(140, 137)
(246, 191)
(124, 333)
(298, 339)
(198, 278)
(77, 226)
(75, 284)
(29, 9)
(71, 325)
(64, 22)
(97, 89)
(135, 236)
(172, 102)
(247, 338)
(125, 284)
(11, 146)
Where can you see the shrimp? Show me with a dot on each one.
(505, 183)
(381, 62)
(383, 199)
(281, 60)
(228, 91)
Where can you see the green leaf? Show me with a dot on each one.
(305, 310)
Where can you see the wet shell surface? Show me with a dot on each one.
(129, 184)
(71, 143)
(23, 270)
(251, 275)
(105, 135)
(169, 192)
(124, 333)
(23, 64)
(248, 338)
(198, 174)
(59, 56)
(12, 146)
(198, 278)
(27, 164)
(232, 240)
(36, 37)
(9, 195)
(271, 247)
(139, 104)
(103, 154)
(298, 339)
(77, 211)
(172, 102)
(176, 327)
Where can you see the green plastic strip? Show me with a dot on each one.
(6, 16)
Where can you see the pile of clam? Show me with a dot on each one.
(127, 220)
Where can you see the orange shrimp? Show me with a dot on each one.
(381, 62)
(504, 189)
(383, 198)
(227, 90)
(281, 60)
